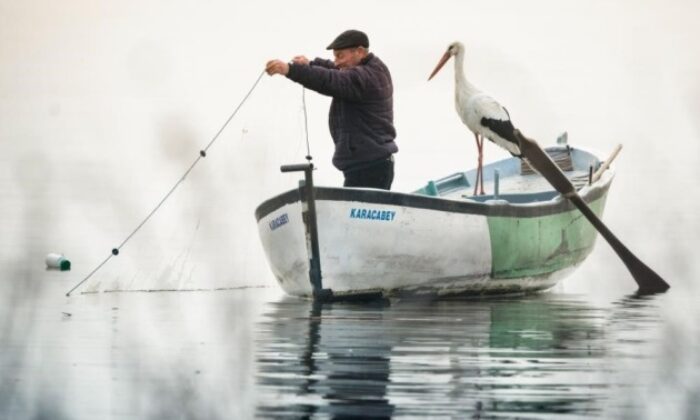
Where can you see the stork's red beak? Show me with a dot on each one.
(442, 62)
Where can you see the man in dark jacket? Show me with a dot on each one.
(361, 118)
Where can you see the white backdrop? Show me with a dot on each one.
(103, 105)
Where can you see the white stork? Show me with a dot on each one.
(481, 113)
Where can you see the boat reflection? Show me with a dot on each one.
(324, 359)
(540, 356)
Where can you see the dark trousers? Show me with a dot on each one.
(375, 174)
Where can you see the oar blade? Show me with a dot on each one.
(648, 281)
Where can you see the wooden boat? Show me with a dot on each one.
(439, 240)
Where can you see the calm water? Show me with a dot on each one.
(535, 357)
(256, 353)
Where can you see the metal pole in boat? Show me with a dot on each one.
(496, 182)
(308, 195)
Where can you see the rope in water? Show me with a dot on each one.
(202, 154)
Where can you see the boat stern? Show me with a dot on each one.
(283, 236)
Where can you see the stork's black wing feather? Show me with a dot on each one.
(504, 129)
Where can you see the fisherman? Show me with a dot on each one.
(361, 117)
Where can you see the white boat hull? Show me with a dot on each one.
(394, 243)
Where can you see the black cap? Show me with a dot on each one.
(349, 39)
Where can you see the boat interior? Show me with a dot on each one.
(514, 181)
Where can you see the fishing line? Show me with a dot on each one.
(202, 154)
(306, 124)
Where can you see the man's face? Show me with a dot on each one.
(348, 57)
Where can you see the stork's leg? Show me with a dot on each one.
(478, 166)
(481, 164)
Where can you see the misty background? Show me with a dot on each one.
(104, 105)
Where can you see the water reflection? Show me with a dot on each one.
(542, 354)
(325, 359)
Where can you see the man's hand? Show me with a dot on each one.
(277, 67)
(300, 59)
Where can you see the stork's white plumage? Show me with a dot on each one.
(482, 114)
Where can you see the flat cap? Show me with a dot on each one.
(349, 39)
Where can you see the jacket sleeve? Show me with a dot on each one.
(350, 84)
(322, 63)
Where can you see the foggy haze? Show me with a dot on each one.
(104, 105)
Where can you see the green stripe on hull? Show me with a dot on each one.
(531, 246)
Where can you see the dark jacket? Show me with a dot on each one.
(361, 118)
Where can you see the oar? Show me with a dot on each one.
(648, 281)
(606, 164)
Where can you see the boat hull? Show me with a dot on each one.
(395, 243)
